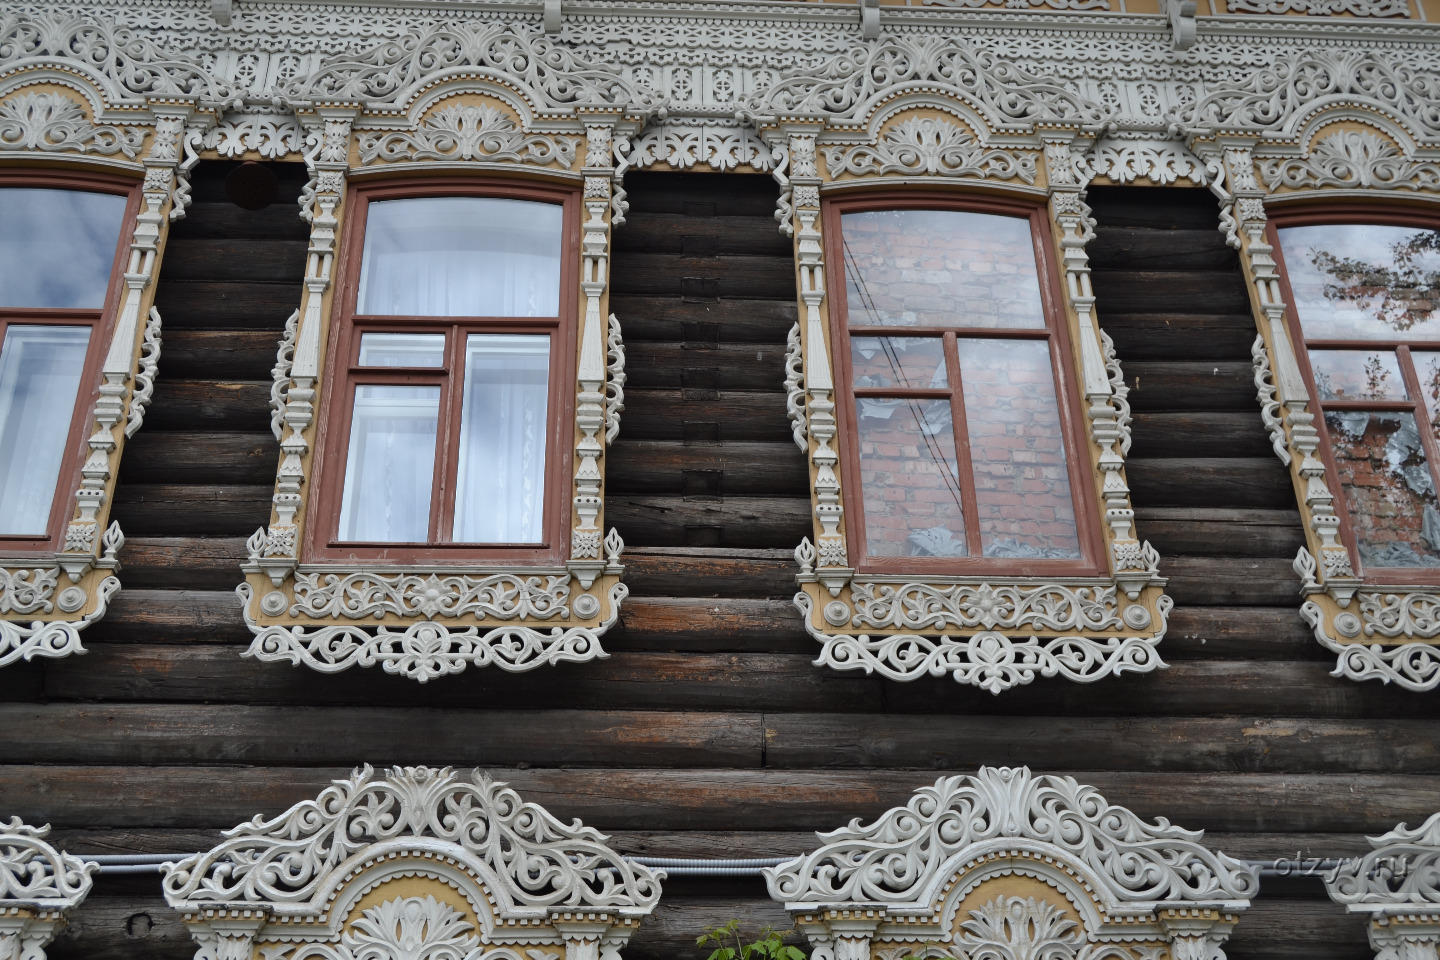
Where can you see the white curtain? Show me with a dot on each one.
(40, 368)
(461, 257)
(500, 493)
(390, 466)
(57, 246)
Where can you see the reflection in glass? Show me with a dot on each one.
(1017, 450)
(57, 247)
(500, 495)
(402, 350)
(1388, 487)
(389, 470)
(1427, 370)
(40, 370)
(941, 268)
(910, 479)
(905, 362)
(1364, 281)
(461, 257)
(1358, 375)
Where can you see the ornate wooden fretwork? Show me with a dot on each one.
(1009, 864)
(1396, 885)
(377, 865)
(39, 886)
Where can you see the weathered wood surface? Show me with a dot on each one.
(692, 237)
(242, 304)
(193, 457)
(1221, 531)
(1131, 290)
(1191, 386)
(706, 521)
(1251, 482)
(231, 405)
(1161, 335)
(197, 563)
(1179, 433)
(705, 366)
(175, 509)
(1149, 249)
(230, 353)
(740, 416)
(268, 260)
(776, 469)
(732, 320)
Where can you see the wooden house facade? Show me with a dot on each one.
(435, 431)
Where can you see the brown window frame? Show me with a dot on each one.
(343, 374)
(1339, 214)
(101, 323)
(1092, 561)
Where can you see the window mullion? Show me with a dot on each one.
(964, 463)
(1422, 414)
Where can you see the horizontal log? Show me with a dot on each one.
(67, 796)
(685, 572)
(172, 616)
(1193, 387)
(700, 195)
(251, 734)
(1166, 336)
(1181, 433)
(776, 469)
(210, 404)
(1146, 248)
(1169, 291)
(1218, 531)
(690, 680)
(1170, 744)
(1241, 633)
(729, 624)
(732, 320)
(209, 179)
(251, 305)
(1156, 208)
(221, 219)
(745, 416)
(215, 258)
(1246, 482)
(182, 563)
(703, 278)
(718, 236)
(176, 456)
(703, 370)
(168, 509)
(1231, 581)
(737, 522)
(25, 680)
(218, 355)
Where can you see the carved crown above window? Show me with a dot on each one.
(1007, 863)
(39, 886)
(415, 862)
(1396, 885)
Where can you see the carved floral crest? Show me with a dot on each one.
(1352, 158)
(929, 146)
(469, 132)
(52, 123)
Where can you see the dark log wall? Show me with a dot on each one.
(708, 732)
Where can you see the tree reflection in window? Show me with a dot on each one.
(1401, 293)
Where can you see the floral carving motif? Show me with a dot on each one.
(897, 859)
(614, 382)
(1410, 666)
(145, 372)
(920, 606)
(411, 928)
(501, 596)
(930, 146)
(28, 591)
(1271, 413)
(52, 122)
(1352, 158)
(1012, 928)
(53, 638)
(1125, 161)
(272, 137)
(1400, 614)
(795, 387)
(469, 132)
(290, 859)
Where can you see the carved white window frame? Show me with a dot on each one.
(39, 886)
(993, 632)
(430, 619)
(57, 116)
(451, 866)
(989, 871)
(1357, 151)
(1397, 886)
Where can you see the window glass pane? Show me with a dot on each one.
(390, 465)
(1364, 281)
(1388, 487)
(40, 369)
(500, 493)
(909, 478)
(1358, 375)
(1427, 370)
(906, 362)
(402, 350)
(1022, 486)
(940, 268)
(57, 247)
(461, 257)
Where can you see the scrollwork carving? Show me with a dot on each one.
(145, 374)
(795, 387)
(929, 146)
(920, 606)
(469, 132)
(1271, 412)
(1350, 159)
(1322, 8)
(53, 123)
(35, 874)
(359, 595)
(53, 638)
(1410, 666)
(271, 136)
(614, 380)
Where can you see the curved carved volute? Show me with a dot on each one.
(39, 886)
(1398, 885)
(1007, 863)
(416, 863)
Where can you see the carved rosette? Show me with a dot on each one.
(39, 886)
(1396, 885)
(418, 863)
(47, 600)
(933, 625)
(1009, 864)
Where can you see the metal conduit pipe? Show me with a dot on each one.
(135, 863)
